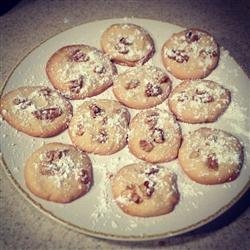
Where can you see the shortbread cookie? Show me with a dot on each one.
(80, 71)
(37, 111)
(100, 127)
(58, 172)
(198, 101)
(211, 156)
(145, 190)
(142, 87)
(127, 44)
(190, 54)
(154, 136)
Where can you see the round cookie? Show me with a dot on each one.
(127, 44)
(37, 111)
(100, 126)
(80, 71)
(145, 190)
(154, 136)
(198, 101)
(58, 172)
(142, 87)
(211, 156)
(190, 54)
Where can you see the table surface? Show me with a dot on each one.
(28, 24)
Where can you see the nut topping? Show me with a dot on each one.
(204, 53)
(191, 36)
(136, 198)
(46, 92)
(132, 84)
(84, 177)
(152, 170)
(125, 41)
(147, 188)
(47, 113)
(79, 56)
(158, 135)
(76, 85)
(203, 96)
(99, 69)
(153, 90)
(151, 119)
(95, 110)
(80, 130)
(23, 102)
(212, 161)
(102, 136)
(121, 48)
(182, 97)
(145, 145)
(178, 55)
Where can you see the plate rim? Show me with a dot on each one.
(93, 233)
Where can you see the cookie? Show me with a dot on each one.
(142, 87)
(100, 127)
(154, 136)
(37, 111)
(145, 190)
(80, 71)
(190, 54)
(58, 172)
(198, 101)
(127, 44)
(211, 156)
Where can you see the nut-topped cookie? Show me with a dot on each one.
(37, 111)
(142, 87)
(190, 54)
(154, 136)
(100, 126)
(211, 156)
(80, 71)
(198, 101)
(58, 172)
(127, 44)
(145, 190)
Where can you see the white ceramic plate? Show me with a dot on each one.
(95, 213)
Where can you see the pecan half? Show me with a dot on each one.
(84, 177)
(79, 56)
(47, 113)
(23, 102)
(151, 119)
(133, 83)
(95, 110)
(102, 136)
(76, 85)
(191, 36)
(153, 90)
(158, 135)
(212, 161)
(179, 56)
(146, 145)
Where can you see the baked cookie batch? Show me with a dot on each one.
(62, 173)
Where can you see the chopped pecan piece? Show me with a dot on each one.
(212, 161)
(121, 48)
(47, 113)
(80, 130)
(79, 56)
(179, 56)
(23, 102)
(54, 155)
(46, 92)
(76, 85)
(146, 145)
(136, 198)
(84, 177)
(158, 135)
(133, 83)
(95, 110)
(102, 136)
(147, 188)
(125, 41)
(182, 97)
(99, 69)
(191, 36)
(152, 170)
(153, 90)
(151, 119)
(203, 96)
(204, 53)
